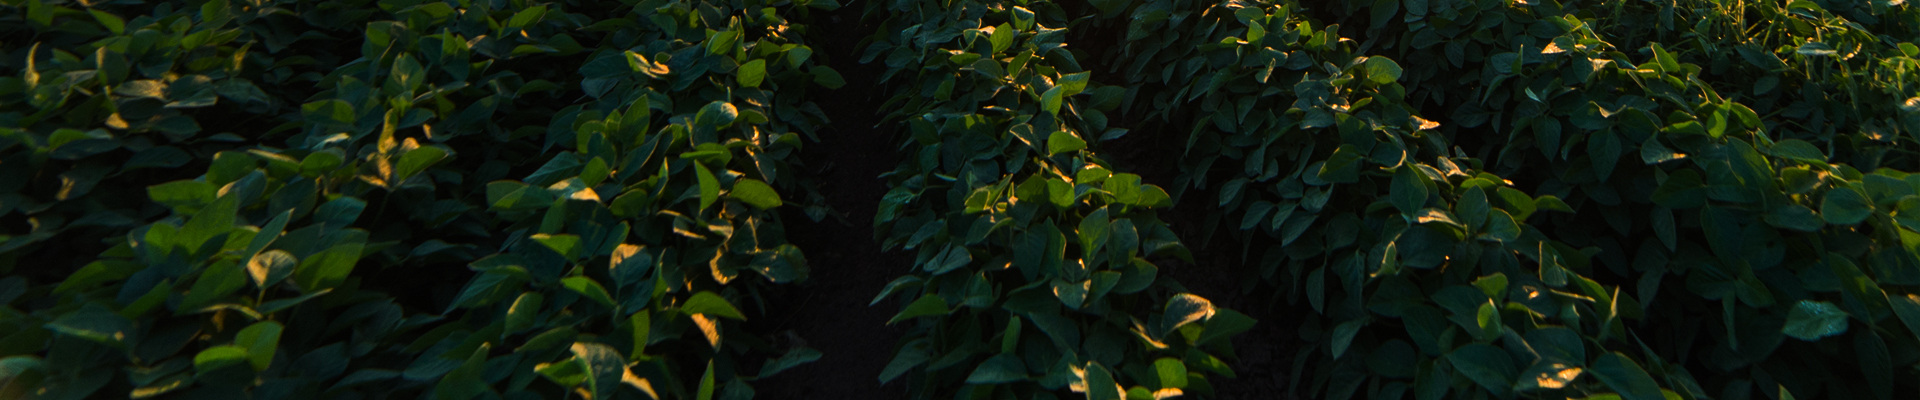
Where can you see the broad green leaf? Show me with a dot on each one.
(270, 267)
(1100, 383)
(1172, 372)
(182, 195)
(1343, 335)
(1486, 365)
(793, 358)
(1072, 84)
(260, 340)
(751, 73)
(418, 160)
(709, 187)
(522, 19)
(1795, 217)
(1051, 100)
(1626, 377)
(1002, 368)
(1518, 204)
(605, 368)
(566, 245)
(1906, 307)
(217, 357)
(1182, 309)
(94, 323)
(1062, 142)
(706, 383)
(113, 23)
(755, 193)
(1002, 37)
(327, 269)
(926, 305)
(525, 309)
(1811, 320)
(214, 220)
(1797, 150)
(711, 304)
(1409, 193)
(216, 281)
(1845, 206)
(716, 115)
(590, 289)
(824, 76)
(1382, 70)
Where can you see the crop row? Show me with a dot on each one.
(608, 241)
(1032, 271)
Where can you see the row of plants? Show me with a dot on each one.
(609, 245)
(1736, 181)
(1034, 269)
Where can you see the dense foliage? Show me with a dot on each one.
(519, 199)
(1014, 218)
(1699, 163)
(597, 271)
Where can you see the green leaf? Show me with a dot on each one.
(605, 367)
(270, 267)
(217, 219)
(1486, 365)
(706, 383)
(1624, 376)
(824, 76)
(260, 341)
(755, 193)
(1518, 203)
(1797, 150)
(590, 289)
(527, 17)
(216, 281)
(111, 22)
(525, 309)
(418, 160)
(716, 115)
(327, 269)
(709, 187)
(217, 357)
(1002, 368)
(1100, 383)
(1795, 217)
(1811, 320)
(1050, 101)
(1908, 309)
(1182, 309)
(1382, 70)
(1172, 372)
(1845, 206)
(793, 358)
(566, 245)
(711, 305)
(1072, 84)
(1343, 335)
(94, 323)
(926, 305)
(1062, 141)
(320, 163)
(1002, 37)
(1409, 193)
(751, 73)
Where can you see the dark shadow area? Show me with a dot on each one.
(829, 311)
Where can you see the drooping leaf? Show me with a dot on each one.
(1812, 320)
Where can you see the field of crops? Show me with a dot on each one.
(966, 199)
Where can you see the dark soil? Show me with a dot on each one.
(829, 311)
